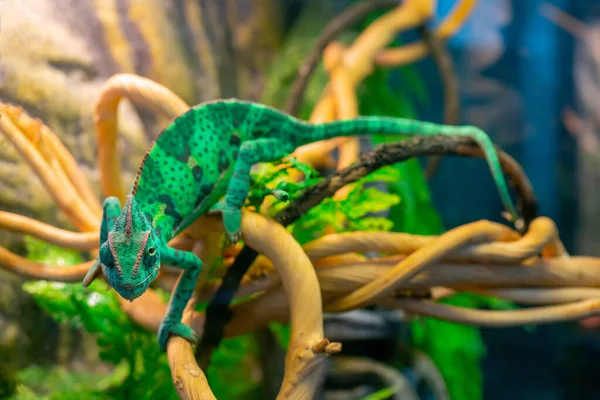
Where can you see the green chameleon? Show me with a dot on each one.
(200, 157)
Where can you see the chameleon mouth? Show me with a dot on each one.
(150, 276)
(133, 291)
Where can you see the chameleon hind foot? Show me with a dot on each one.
(232, 220)
(168, 327)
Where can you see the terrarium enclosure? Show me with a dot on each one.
(299, 199)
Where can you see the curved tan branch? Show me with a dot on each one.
(138, 90)
(394, 379)
(189, 380)
(487, 318)
(31, 142)
(414, 51)
(482, 231)
(73, 172)
(542, 296)
(344, 93)
(44, 140)
(34, 270)
(542, 233)
(305, 356)
(51, 234)
(548, 282)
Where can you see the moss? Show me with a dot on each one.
(167, 59)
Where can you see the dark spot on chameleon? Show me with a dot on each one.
(235, 140)
(223, 163)
(197, 172)
(208, 188)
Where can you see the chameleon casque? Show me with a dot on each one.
(201, 163)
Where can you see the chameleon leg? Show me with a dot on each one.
(251, 152)
(171, 323)
(111, 208)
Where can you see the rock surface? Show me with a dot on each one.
(56, 54)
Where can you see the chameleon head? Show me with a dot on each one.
(131, 255)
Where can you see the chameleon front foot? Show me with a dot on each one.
(232, 220)
(280, 195)
(177, 329)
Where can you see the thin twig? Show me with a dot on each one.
(491, 318)
(445, 66)
(340, 23)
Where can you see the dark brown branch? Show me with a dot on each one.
(340, 23)
(218, 312)
(392, 153)
(526, 199)
(445, 66)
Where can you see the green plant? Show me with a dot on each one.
(456, 349)
(139, 369)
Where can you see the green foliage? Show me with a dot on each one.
(416, 213)
(281, 332)
(61, 383)
(8, 383)
(456, 349)
(139, 370)
(142, 370)
(382, 394)
(298, 43)
(230, 369)
(349, 214)
(40, 251)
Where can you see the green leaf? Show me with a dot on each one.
(371, 224)
(231, 371)
(40, 251)
(366, 201)
(384, 174)
(281, 332)
(382, 394)
(411, 81)
(60, 383)
(25, 393)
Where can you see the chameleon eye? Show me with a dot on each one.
(152, 251)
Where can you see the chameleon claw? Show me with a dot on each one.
(180, 329)
(232, 220)
(94, 271)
